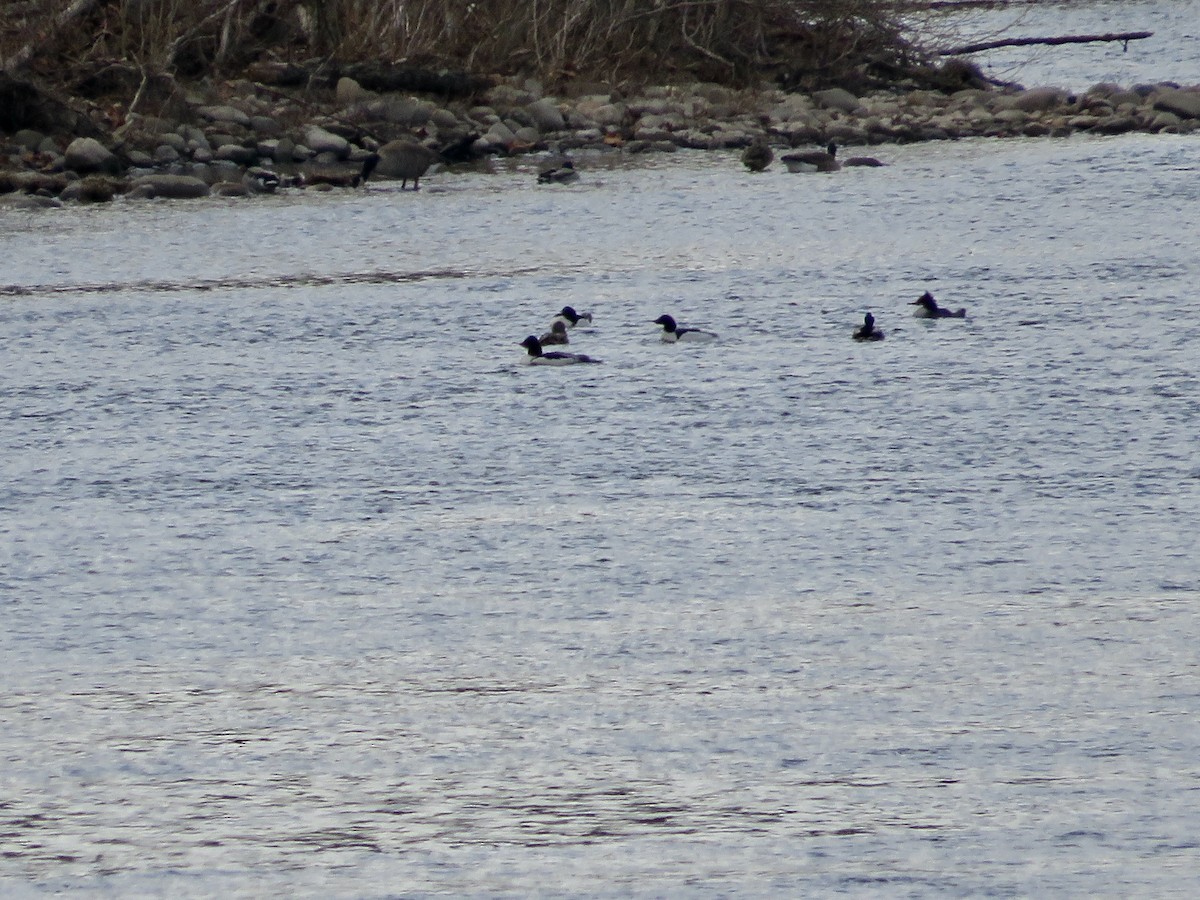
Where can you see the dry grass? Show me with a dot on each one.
(620, 41)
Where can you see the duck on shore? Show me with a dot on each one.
(401, 159)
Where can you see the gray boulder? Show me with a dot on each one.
(225, 114)
(265, 126)
(837, 98)
(350, 92)
(322, 141)
(546, 115)
(1185, 104)
(89, 155)
(236, 153)
(176, 187)
(28, 138)
(1036, 99)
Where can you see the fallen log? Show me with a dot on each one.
(1125, 37)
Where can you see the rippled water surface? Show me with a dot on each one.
(1169, 54)
(309, 588)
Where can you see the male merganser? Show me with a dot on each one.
(557, 333)
(570, 318)
(813, 160)
(672, 332)
(868, 332)
(927, 308)
(538, 357)
(562, 173)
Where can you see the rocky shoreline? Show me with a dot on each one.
(254, 138)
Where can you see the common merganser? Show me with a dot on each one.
(672, 332)
(868, 332)
(927, 308)
(570, 318)
(557, 333)
(538, 357)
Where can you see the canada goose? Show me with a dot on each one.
(404, 160)
(813, 160)
(868, 332)
(757, 156)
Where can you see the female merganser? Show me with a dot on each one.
(927, 308)
(868, 332)
(556, 335)
(813, 160)
(538, 357)
(562, 173)
(672, 332)
(570, 318)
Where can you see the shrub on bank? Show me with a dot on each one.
(116, 45)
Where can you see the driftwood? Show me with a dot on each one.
(1124, 36)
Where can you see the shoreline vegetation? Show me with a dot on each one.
(183, 98)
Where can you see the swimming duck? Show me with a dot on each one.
(927, 308)
(863, 161)
(538, 357)
(672, 332)
(557, 333)
(868, 332)
(562, 173)
(757, 156)
(813, 160)
(570, 318)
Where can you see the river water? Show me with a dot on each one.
(311, 589)
(1169, 54)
